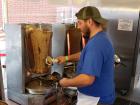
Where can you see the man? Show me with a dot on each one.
(95, 70)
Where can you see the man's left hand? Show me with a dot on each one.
(64, 82)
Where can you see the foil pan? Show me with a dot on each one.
(3, 103)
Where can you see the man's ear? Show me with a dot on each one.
(90, 21)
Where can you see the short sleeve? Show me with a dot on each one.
(92, 62)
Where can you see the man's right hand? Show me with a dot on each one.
(61, 60)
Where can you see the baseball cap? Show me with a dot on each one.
(90, 12)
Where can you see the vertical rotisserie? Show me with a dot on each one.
(38, 47)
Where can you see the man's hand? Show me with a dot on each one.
(61, 59)
(63, 82)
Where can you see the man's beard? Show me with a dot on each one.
(86, 32)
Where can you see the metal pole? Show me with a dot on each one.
(4, 12)
(2, 96)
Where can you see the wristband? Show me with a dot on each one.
(66, 59)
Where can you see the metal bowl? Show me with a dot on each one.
(39, 87)
(43, 84)
(40, 91)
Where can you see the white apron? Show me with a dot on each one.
(87, 100)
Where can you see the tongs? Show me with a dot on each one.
(50, 61)
(59, 93)
(59, 89)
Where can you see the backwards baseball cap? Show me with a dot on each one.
(90, 12)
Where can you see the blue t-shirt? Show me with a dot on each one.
(97, 59)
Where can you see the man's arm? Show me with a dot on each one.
(73, 57)
(78, 81)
